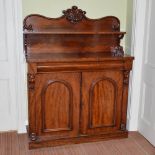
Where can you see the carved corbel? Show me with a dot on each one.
(117, 51)
(74, 15)
(121, 36)
(31, 81)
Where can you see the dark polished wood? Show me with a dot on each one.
(78, 78)
(58, 101)
(101, 98)
(73, 20)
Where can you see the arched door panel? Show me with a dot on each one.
(57, 104)
(101, 100)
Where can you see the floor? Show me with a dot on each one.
(135, 144)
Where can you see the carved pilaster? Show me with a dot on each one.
(31, 81)
(126, 77)
(117, 51)
(74, 15)
(25, 45)
(33, 137)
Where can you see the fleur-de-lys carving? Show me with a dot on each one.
(74, 15)
(117, 51)
(126, 77)
(31, 81)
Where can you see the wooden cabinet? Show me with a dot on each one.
(78, 78)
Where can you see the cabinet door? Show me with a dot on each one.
(57, 104)
(101, 102)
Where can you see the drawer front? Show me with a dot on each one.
(79, 66)
(101, 102)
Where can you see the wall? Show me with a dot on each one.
(14, 112)
(94, 8)
(129, 21)
(12, 67)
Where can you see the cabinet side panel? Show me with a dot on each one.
(31, 80)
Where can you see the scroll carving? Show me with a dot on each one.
(33, 136)
(115, 26)
(74, 15)
(117, 51)
(27, 27)
(126, 77)
(31, 81)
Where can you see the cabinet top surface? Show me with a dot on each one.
(75, 57)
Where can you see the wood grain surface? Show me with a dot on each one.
(101, 98)
(58, 102)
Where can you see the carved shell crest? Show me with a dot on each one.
(74, 15)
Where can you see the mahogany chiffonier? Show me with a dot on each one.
(78, 78)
